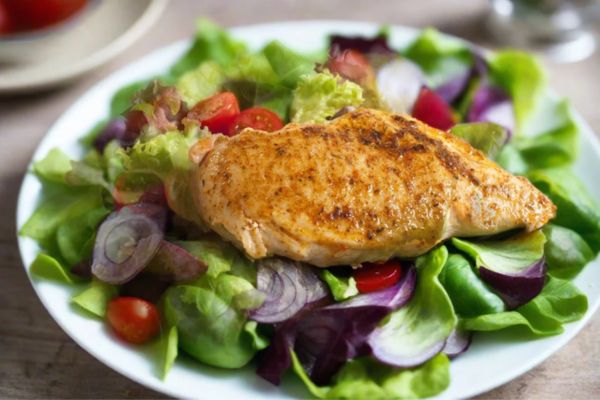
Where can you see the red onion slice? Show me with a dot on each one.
(126, 241)
(289, 286)
(457, 343)
(324, 338)
(518, 288)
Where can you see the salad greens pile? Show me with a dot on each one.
(497, 102)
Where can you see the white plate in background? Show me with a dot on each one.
(492, 360)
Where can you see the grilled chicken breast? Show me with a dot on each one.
(366, 186)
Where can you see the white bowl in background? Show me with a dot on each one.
(53, 56)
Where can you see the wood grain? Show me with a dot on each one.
(38, 360)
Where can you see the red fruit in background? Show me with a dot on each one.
(433, 110)
(36, 14)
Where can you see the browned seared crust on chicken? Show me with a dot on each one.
(367, 186)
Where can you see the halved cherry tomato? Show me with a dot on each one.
(352, 65)
(257, 118)
(372, 277)
(217, 112)
(433, 110)
(6, 21)
(134, 320)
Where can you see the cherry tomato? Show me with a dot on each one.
(36, 14)
(217, 112)
(257, 118)
(352, 65)
(6, 22)
(372, 277)
(433, 110)
(134, 320)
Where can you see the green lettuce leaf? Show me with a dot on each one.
(558, 303)
(211, 319)
(552, 135)
(429, 317)
(321, 95)
(511, 160)
(506, 256)
(211, 44)
(47, 267)
(365, 379)
(122, 99)
(288, 65)
(576, 209)
(167, 157)
(200, 82)
(485, 136)
(341, 287)
(522, 76)
(95, 298)
(470, 296)
(217, 254)
(566, 252)
(439, 56)
(169, 344)
(54, 167)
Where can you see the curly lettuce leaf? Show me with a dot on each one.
(558, 303)
(470, 296)
(320, 96)
(365, 379)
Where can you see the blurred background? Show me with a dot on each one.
(52, 51)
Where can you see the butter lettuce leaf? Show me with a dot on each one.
(200, 83)
(566, 252)
(95, 298)
(558, 303)
(576, 209)
(506, 256)
(522, 76)
(366, 379)
(470, 296)
(439, 56)
(212, 43)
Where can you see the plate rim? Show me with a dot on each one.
(181, 45)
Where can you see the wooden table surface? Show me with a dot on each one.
(38, 360)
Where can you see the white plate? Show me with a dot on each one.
(98, 35)
(492, 360)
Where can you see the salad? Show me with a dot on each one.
(122, 226)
